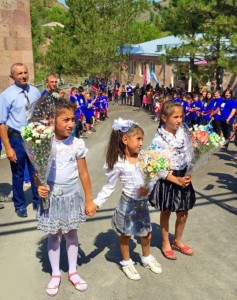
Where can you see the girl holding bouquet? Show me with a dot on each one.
(174, 191)
(67, 207)
(131, 216)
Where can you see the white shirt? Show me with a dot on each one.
(130, 176)
(179, 145)
(63, 159)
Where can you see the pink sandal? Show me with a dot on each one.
(185, 249)
(52, 290)
(169, 254)
(80, 285)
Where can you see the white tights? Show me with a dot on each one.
(54, 241)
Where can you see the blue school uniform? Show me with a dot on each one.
(88, 112)
(207, 107)
(78, 114)
(226, 108)
(199, 105)
(187, 113)
(129, 91)
(184, 105)
(81, 101)
(104, 102)
(102, 87)
(177, 100)
(192, 113)
(73, 99)
(196, 117)
(217, 103)
(97, 104)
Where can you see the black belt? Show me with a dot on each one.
(179, 173)
(13, 132)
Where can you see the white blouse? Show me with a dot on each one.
(179, 145)
(63, 160)
(130, 176)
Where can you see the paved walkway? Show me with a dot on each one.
(211, 230)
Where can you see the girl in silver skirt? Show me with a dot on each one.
(66, 206)
(131, 216)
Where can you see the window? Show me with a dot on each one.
(181, 76)
(132, 67)
(159, 48)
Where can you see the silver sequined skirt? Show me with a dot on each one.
(66, 210)
(132, 217)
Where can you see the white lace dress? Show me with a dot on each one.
(67, 207)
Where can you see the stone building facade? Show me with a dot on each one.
(15, 38)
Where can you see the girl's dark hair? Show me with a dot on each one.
(228, 90)
(61, 104)
(167, 110)
(116, 147)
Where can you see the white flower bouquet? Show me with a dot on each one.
(37, 138)
(38, 135)
(151, 162)
(204, 143)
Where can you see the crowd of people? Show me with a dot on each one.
(76, 113)
(199, 108)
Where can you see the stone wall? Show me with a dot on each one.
(15, 38)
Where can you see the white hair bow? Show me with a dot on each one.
(123, 125)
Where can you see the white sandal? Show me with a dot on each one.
(51, 289)
(80, 285)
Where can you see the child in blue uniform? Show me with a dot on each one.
(207, 108)
(228, 110)
(104, 106)
(216, 114)
(89, 113)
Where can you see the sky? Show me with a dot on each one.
(61, 1)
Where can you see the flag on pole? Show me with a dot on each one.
(144, 75)
(153, 76)
(148, 74)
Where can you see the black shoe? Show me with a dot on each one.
(35, 206)
(93, 129)
(21, 212)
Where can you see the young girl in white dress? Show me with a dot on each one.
(131, 216)
(67, 207)
(174, 191)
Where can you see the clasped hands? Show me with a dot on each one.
(90, 209)
(184, 181)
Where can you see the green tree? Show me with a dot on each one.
(205, 26)
(43, 12)
(98, 28)
(91, 43)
